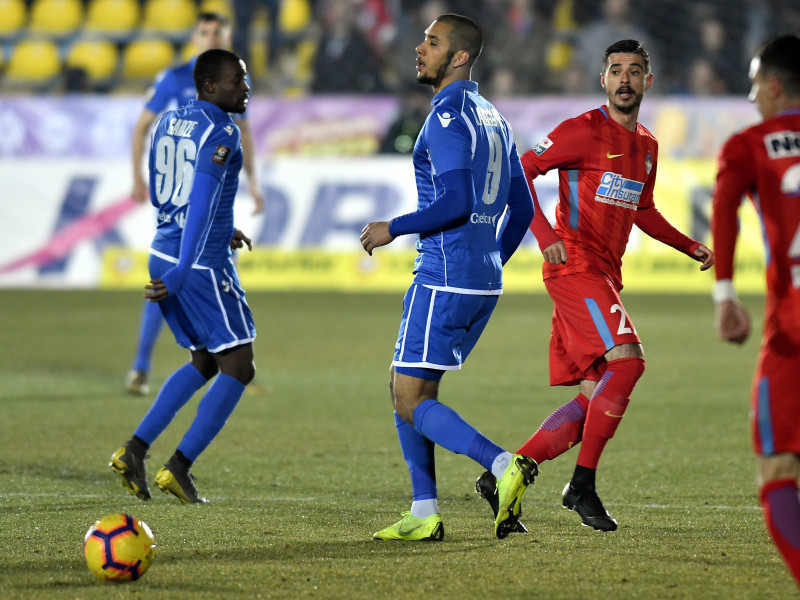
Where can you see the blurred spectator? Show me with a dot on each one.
(517, 64)
(404, 129)
(245, 13)
(614, 24)
(345, 62)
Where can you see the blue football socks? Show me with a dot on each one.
(176, 391)
(212, 413)
(444, 426)
(149, 328)
(418, 453)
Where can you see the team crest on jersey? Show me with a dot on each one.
(648, 162)
(445, 118)
(221, 154)
(542, 146)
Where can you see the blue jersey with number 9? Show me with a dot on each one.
(199, 137)
(464, 131)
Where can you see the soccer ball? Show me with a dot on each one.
(119, 547)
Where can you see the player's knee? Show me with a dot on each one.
(631, 368)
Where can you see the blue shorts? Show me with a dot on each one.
(210, 311)
(439, 329)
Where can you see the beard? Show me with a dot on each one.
(627, 109)
(436, 79)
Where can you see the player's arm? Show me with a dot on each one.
(140, 133)
(205, 189)
(733, 180)
(517, 219)
(653, 223)
(454, 200)
(250, 165)
(553, 249)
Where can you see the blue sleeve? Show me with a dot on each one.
(162, 93)
(517, 219)
(452, 206)
(449, 141)
(205, 189)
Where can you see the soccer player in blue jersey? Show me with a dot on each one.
(474, 207)
(174, 88)
(195, 160)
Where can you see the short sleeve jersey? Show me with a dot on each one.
(199, 137)
(606, 173)
(464, 131)
(763, 162)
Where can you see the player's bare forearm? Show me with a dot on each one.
(375, 234)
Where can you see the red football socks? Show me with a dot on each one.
(607, 406)
(781, 505)
(559, 432)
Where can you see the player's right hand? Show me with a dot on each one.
(375, 234)
(556, 253)
(732, 322)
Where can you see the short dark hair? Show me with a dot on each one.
(208, 16)
(780, 57)
(209, 65)
(628, 47)
(465, 35)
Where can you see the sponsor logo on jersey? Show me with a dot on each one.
(478, 219)
(609, 155)
(783, 144)
(488, 117)
(445, 118)
(229, 129)
(542, 146)
(615, 189)
(221, 154)
(181, 127)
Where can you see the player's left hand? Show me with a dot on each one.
(239, 240)
(705, 256)
(158, 291)
(375, 234)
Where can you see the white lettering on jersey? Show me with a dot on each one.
(488, 117)
(782, 144)
(181, 127)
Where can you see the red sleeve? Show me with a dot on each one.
(653, 223)
(734, 180)
(562, 148)
(540, 226)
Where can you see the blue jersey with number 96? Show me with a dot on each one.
(199, 137)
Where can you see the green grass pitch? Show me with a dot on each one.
(309, 466)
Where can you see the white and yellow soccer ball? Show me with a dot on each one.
(119, 547)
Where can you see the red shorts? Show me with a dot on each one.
(588, 320)
(775, 405)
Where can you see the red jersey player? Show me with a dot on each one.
(606, 163)
(763, 162)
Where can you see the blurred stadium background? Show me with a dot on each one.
(335, 111)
